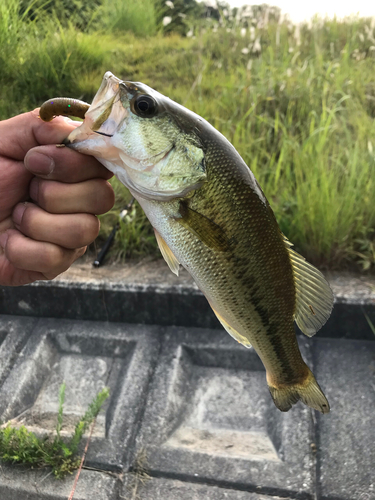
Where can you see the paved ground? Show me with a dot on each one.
(190, 407)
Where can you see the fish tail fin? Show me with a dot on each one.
(308, 392)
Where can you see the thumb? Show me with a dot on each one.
(23, 132)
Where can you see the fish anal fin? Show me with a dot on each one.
(232, 332)
(167, 254)
(314, 297)
(210, 233)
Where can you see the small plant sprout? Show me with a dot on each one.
(19, 445)
(369, 322)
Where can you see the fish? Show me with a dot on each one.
(211, 216)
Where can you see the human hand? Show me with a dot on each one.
(49, 197)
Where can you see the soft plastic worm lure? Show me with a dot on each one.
(63, 106)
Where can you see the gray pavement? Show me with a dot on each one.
(189, 415)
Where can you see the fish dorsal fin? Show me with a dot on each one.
(314, 297)
(210, 233)
(232, 332)
(167, 253)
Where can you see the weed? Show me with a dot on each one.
(138, 476)
(369, 322)
(137, 16)
(18, 445)
(135, 236)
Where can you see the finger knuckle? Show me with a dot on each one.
(109, 197)
(103, 195)
(13, 252)
(54, 258)
(29, 223)
(43, 195)
(91, 229)
(85, 231)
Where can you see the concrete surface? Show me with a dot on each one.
(148, 293)
(189, 415)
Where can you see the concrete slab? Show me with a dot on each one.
(210, 418)
(13, 335)
(87, 356)
(168, 489)
(18, 483)
(147, 292)
(195, 404)
(346, 437)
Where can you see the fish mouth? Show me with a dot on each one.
(104, 115)
(102, 133)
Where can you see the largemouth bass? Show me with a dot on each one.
(210, 215)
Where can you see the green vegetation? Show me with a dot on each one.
(369, 322)
(298, 103)
(18, 445)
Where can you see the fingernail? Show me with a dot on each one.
(34, 189)
(3, 240)
(18, 213)
(39, 163)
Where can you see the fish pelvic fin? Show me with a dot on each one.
(314, 297)
(309, 392)
(167, 253)
(232, 332)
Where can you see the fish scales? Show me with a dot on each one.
(210, 215)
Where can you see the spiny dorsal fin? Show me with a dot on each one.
(232, 332)
(167, 253)
(314, 297)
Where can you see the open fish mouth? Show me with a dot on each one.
(103, 117)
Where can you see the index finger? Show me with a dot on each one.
(64, 164)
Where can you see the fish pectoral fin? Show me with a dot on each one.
(314, 297)
(210, 233)
(232, 332)
(167, 253)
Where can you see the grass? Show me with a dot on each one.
(369, 322)
(132, 15)
(298, 103)
(135, 237)
(138, 476)
(18, 445)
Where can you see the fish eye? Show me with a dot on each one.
(145, 106)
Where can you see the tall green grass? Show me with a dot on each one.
(297, 103)
(134, 16)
